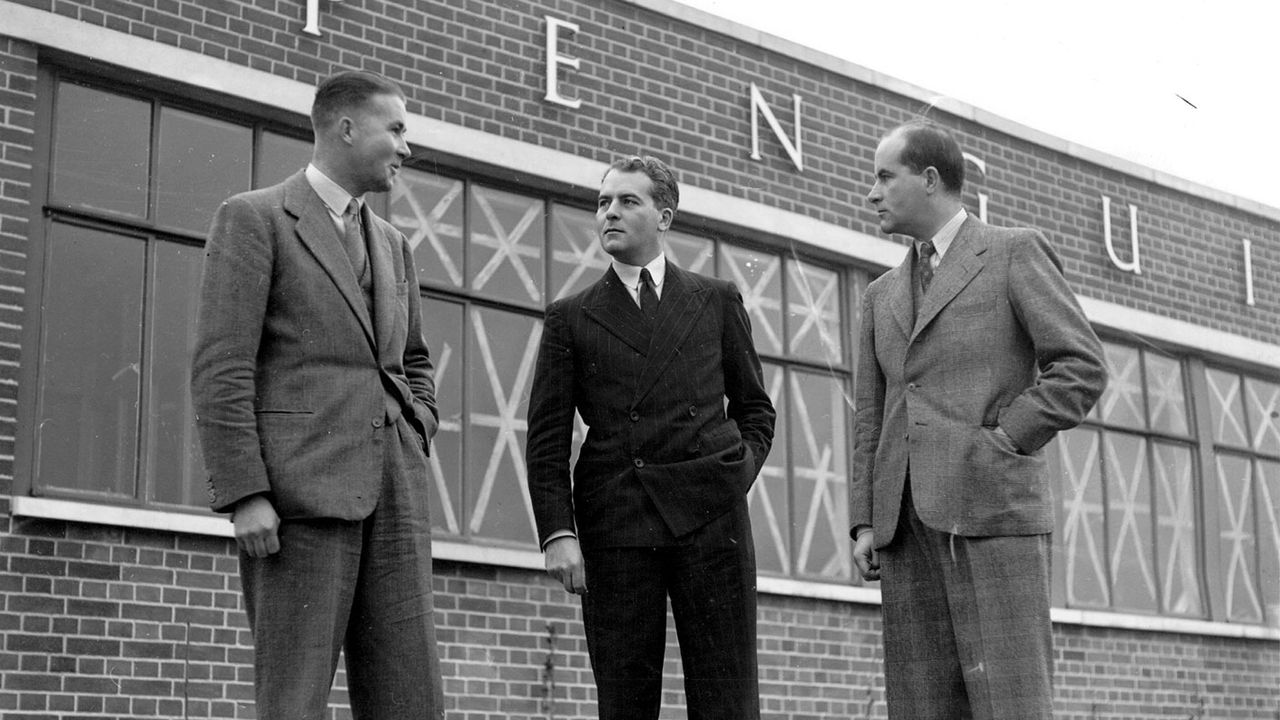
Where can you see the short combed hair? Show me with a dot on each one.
(347, 90)
(665, 192)
(927, 144)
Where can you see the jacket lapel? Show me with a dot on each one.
(901, 305)
(611, 305)
(317, 233)
(384, 278)
(682, 302)
(962, 262)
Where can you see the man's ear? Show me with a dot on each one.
(932, 180)
(346, 128)
(668, 217)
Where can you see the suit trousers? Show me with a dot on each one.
(966, 624)
(711, 581)
(363, 586)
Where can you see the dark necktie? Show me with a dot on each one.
(648, 295)
(353, 238)
(924, 266)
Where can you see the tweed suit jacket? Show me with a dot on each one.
(663, 454)
(999, 341)
(292, 371)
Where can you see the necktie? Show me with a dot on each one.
(924, 266)
(353, 238)
(648, 295)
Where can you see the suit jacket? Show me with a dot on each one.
(999, 341)
(293, 372)
(663, 454)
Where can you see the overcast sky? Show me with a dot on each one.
(1189, 87)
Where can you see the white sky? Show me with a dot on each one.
(1106, 74)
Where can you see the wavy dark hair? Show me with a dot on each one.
(345, 91)
(665, 192)
(928, 144)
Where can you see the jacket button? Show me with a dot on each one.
(638, 462)
(635, 416)
(911, 386)
(377, 422)
(693, 410)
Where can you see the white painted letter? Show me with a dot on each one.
(313, 18)
(555, 59)
(758, 105)
(1248, 271)
(982, 197)
(1133, 265)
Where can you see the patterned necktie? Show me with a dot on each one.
(924, 266)
(353, 238)
(648, 295)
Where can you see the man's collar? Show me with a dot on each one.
(630, 274)
(331, 193)
(946, 234)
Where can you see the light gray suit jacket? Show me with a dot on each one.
(292, 372)
(1000, 341)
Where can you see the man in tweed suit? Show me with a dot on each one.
(973, 354)
(315, 401)
(657, 506)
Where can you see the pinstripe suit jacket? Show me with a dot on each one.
(662, 455)
(292, 371)
(999, 340)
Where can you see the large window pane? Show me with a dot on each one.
(758, 277)
(90, 360)
(1129, 522)
(1084, 531)
(577, 260)
(500, 357)
(1262, 400)
(820, 475)
(280, 156)
(770, 496)
(1237, 541)
(443, 326)
(428, 209)
(1176, 538)
(1226, 409)
(1268, 504)
(174, 467)
(101, 151)
(1166, 394)
(1121, 403)
(506, 244)
(813, 313)
(202, 161)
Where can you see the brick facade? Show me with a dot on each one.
(105, 622)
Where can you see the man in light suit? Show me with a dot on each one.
(973, 354)
(657, 505)
(315, 402)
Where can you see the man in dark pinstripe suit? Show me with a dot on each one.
(657, 505)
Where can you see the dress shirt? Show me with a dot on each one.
(335, 198)
(942, 239)
(630, 275)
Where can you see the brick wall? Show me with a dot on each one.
(650, 83)
(17, 140)
(113, 623)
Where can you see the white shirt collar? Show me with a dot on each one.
(331, 193)
(946, 234)
(630, 274)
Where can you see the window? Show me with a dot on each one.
(491, 258)
(1245, 421)
(1129, 508)
(1170, 493)
(132, 186)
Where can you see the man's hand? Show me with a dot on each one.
(256, 525)
(564, 563)
(864, 555)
